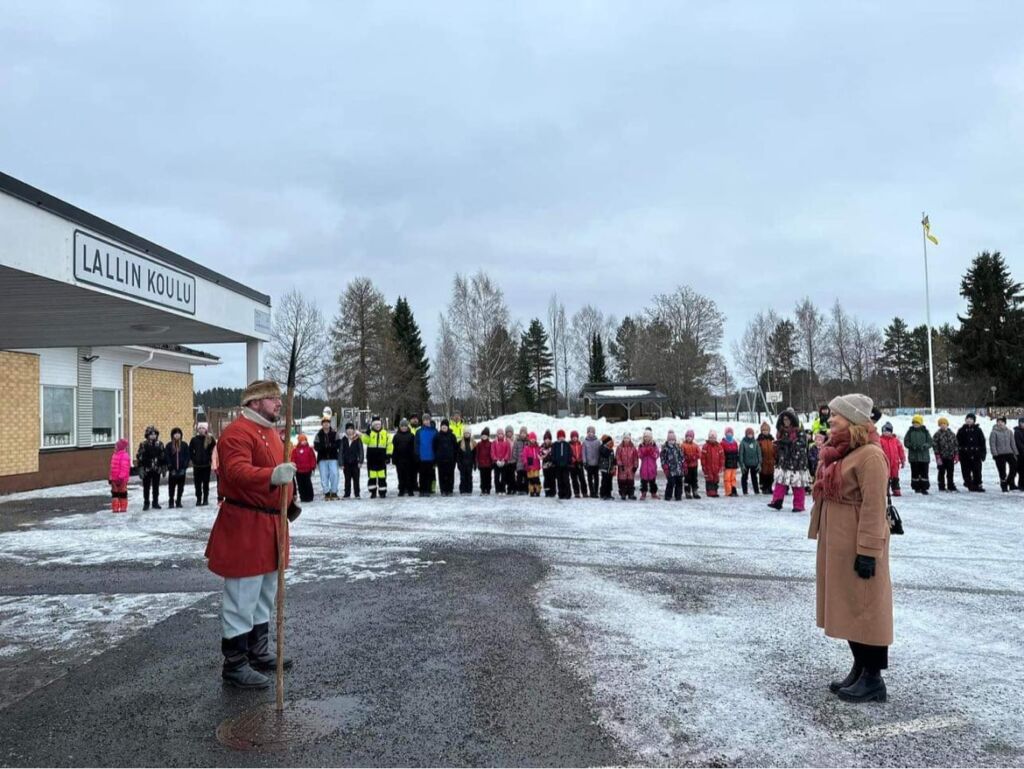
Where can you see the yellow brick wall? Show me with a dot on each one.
(161, 398)
(19, 420)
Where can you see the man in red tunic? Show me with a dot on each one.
(243, 543)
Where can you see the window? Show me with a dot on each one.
(106, 416)
(58, 417)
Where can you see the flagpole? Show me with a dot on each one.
(928, 312)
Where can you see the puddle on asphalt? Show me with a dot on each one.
(301, 722)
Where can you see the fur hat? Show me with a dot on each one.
(561, 433)
(887, 427)
(917, 419)
(712, 435)
(855, 407)
(261, 388)
(690, 434)
(943, 422)
(121, 445)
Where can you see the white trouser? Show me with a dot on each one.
(248, 601)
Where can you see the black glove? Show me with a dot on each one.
(293, 512)
(864, 565)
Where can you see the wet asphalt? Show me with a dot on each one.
(446, 667)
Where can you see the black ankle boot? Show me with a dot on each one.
(869, 688)
(850, 679)
(260, 656)
(237, 670)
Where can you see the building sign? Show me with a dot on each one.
(261, 322)
(112, 267)
(773, 397)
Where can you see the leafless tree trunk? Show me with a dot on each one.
(447, 366)
(298, 318)
(810, 324)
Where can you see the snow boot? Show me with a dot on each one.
(643, 496)
(237, 670)
(156, 505)
(850, 680)
(145, 506)
(688, 494)
(897, 493)
(869, 688)
(777, 505)
(734, 494)
(654, 495)
(695, 494)
(260, 656)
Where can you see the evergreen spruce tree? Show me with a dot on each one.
(537, 360)
(410, 345)
(990, 341)
(524, 391)
(895, 355)
(624, 347)
(598, 366)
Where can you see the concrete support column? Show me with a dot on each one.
(253, 361)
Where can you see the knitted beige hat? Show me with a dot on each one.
(855, 407)
(261, 388)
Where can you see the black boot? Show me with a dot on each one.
(260, 656)
(688, 494)
(869, 688)
(237, 670)
(850, 680)
(156, 505)
(776, 505)
(145, 505)
(696, 495)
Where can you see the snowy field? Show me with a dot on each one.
(691, 624)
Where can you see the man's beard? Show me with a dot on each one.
(269, 414)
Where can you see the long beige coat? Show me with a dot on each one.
(849, 607)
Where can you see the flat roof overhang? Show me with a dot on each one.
(51, 295)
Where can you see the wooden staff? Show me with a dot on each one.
(282, 530)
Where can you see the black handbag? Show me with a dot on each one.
(892, 515)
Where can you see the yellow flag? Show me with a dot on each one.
(928, 231)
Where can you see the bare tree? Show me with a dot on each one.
(586, 322)
(475, 314)
(556, 334)
(361, 326)
(841, 344)
(810, 327)
(447, 379)
(751, 354)
(299, 319)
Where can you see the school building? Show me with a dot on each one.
(95, 323)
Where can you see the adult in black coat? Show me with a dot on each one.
(1018, 437)
(970, 441)
(178, 458)
(446, 453)
(200, 450)
(403, 454)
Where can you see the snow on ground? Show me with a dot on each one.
(691, 623)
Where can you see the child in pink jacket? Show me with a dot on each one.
(531, 465)
(120, 471)
(648, 454)
(626, 461)
(892, 447)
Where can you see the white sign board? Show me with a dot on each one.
(773, 397)
(114, 268)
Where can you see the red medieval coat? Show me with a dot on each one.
(243, 542)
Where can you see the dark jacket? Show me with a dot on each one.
(177, 458)
(606, 459)
(467, 456)
(350, 451)
(732, 454)
(971, 441)
(672, 459)
(945, 443)
(326, 445)
(200, 450)
(151, 457)
(750, 452)
(445, 448)
(1018, 435)
(561, 454)
(919, 444)
(403, 447)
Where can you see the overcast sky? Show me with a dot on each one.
(757, 151)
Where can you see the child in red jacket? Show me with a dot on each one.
(894, 455)
(305, 463)
(627, 461)
(576, 472)
(120, 472)
(712, 460)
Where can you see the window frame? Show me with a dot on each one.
(42, 418)
(118, 428)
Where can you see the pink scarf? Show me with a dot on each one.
(829, 481)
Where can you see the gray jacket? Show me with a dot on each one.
(591, 451)
(517, 453)
(1001, 442)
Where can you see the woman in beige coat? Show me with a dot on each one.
(848, 520)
